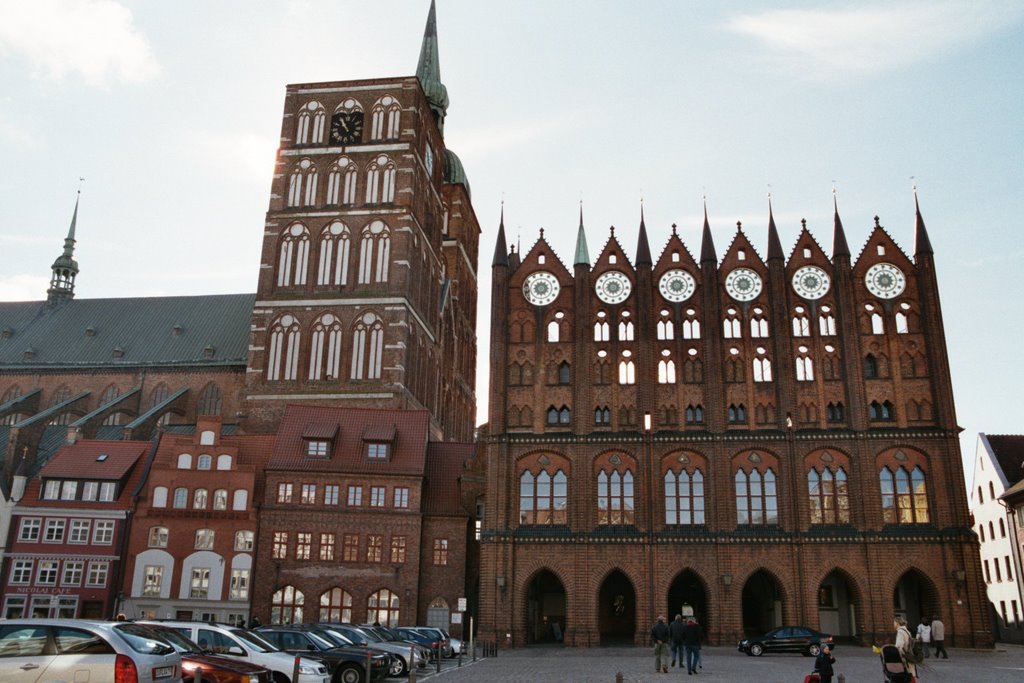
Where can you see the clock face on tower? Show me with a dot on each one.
(743, 284)
(541, 288)
(885, 281)
(613, 287)
(811, 282)
(676, 285)
(347, 127)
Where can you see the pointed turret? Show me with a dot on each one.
(839, 246)
(774, 244)
(428, 70)
(582, 253)
(707, 244)
(643, 249)
(65, 268)
(500, 246)
(923, 245)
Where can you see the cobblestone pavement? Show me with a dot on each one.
(1005, 664)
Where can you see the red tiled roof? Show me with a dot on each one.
(1009, 451)
(409, 428)
(442, 494)
(83, 460)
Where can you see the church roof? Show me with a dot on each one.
(164, 331)
(1009, 452)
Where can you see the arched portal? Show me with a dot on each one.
(914, 596)
(545, 609)
(762, 604)
(838, 605)
(616, 610)
(687, 596)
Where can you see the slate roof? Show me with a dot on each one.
(409, 444)
(442, 493)
(1009, 452)
(83, 333)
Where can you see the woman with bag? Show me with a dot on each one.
(905, 644)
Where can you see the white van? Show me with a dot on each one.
(232, 641)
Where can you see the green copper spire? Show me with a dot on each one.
(582, 253)
(428, 70)
(65, 268)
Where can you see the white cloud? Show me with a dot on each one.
(23, 288)
(95, 40)
(861, 39)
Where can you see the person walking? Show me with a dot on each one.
(939, 635)
(676, 629)
(661, 636)
(924, 634)
(905, 644)
(823, 663)
(693, 634)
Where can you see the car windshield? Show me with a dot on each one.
(369, 635)
(177, 641)
(321, 642)
(387, 634)
(337, 639)
(254, 640)
(143, 640)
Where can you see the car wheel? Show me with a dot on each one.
(349, 673)
(756, 649)
(814, 649)
(281, 678)
(398, 667)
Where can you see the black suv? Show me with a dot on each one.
(346, 664)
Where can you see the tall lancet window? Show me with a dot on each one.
(341, 183)
(368, 347)
(293, 256)
(335, 243)
(302, 184)
(283, 350)
(325, 348)
(374, 253)
(380, 181)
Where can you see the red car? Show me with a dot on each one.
(211, 668)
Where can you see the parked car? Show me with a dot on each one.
(800, 639)
(432, 638)
(78, 650)
(456, 644)
(210, 667)
(347, 663)
(232, 641)
(373, 641)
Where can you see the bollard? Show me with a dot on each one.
(841, 679)
(618, 677)
(295, 669)
(437, 656)
(412, 664)
(197, 675)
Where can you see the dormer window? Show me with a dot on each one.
(378, 440)
(378, 451)
(318, 440)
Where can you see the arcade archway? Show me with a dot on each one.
(545, 609)
(762, 603)
(616, 610)
(687, 596)
(914, 596)
(838, 605)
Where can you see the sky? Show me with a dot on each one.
(171, 112)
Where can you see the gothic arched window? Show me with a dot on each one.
(335, 606)
(615, 497)
(684, 497)
(302, 184)
(756, 497)
(543, 498)
(804, 369)
(325, 348)
(374, 253)
(286, 606)
(904, 496)
(828, 496)
(283, 351)
(380, 181)
(293, 256)
(382, 608)
(367, 347)
(209, 400)
(335, 244)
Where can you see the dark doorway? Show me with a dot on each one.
(545, 609)
(762, 604)
(913, 597)
(687, 596)
(616, 610)
(92, 609)
(838, 606)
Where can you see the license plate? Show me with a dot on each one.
(163, 672)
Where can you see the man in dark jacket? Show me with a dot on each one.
(676, 629)
(823, 664)
(693, 634)
(661, 636)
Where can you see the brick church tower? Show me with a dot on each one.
(759, 442)
(367, 285)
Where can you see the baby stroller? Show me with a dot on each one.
(893, 666)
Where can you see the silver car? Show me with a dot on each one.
(78, 650)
